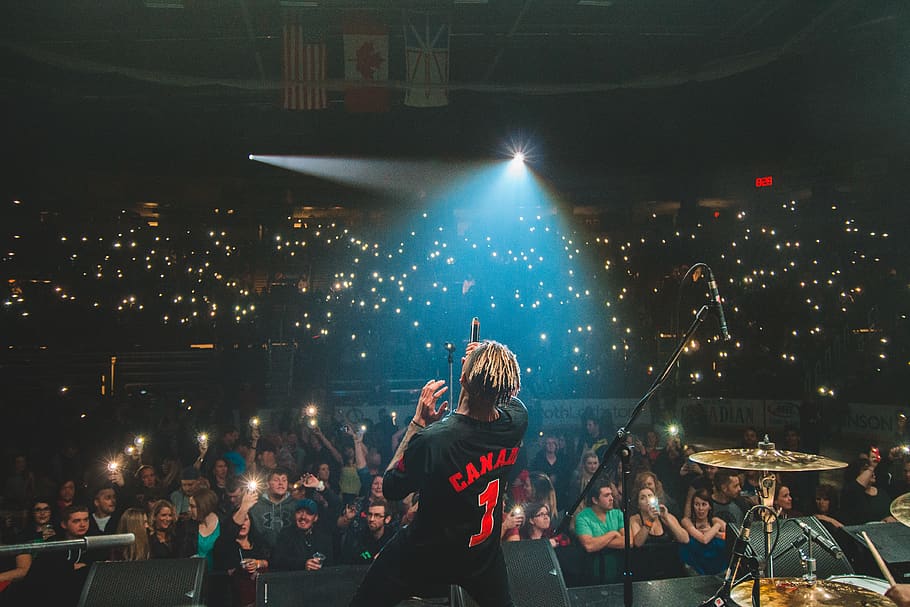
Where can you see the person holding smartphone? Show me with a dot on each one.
(460, 464)
(863, 500)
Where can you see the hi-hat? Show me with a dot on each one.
(900, 509)
(769, 459)
(796, 592)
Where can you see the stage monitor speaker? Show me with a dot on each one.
(328, 587)
(154, 583)
(787, 561)
(892, 540)
(535, 579)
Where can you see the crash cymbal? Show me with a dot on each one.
(796, 592)
(900, 509)
(771, 460)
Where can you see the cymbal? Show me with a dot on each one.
(771, 460)
(900, 509)
(796, 592)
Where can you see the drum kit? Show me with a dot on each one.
(846, 590)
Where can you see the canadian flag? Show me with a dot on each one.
(366, 63)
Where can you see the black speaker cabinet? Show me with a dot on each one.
(328, 587)
(154, 583)
(786, 539)
(892, 540)
(535, 578)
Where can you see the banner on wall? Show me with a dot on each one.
(723, 413)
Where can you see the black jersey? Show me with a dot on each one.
(460, 467)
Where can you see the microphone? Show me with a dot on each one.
(475, 329)
(829, 546)
(94, 542)
(721, 598)
(718, 305)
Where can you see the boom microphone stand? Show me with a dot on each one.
(620, 439)
(450, 348)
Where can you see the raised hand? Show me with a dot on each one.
(426, 412)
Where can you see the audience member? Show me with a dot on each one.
(554, 464)
(180, 498)
(705, 552)
(542, 491)
(725, 499)
(900, 479)
(655, 528)
(105, 515)
(20, 484)
(650, 480)
(299, 546)
(218, 478)
(162, 539)
(274, 510)
(667, 467)
(600, 529)
(66, 495)
(360, 546)
(783, 502)
(64, 572)
(41, 527)
(147, 486)
(239, 555)
(13, 571)
(587, 466)
(749, 438)
(652, 445)
(862, 500)
(205, 522)
(538, 525)
(135, 521)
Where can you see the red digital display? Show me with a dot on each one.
(764, 182)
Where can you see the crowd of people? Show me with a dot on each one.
(297, 498)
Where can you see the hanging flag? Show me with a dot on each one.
(426, 38)
(366, 61)
(304, 69)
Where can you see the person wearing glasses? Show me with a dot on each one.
(538, 525)
(41, 518)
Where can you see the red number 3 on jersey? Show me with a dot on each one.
(486, 500)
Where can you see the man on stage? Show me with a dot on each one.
(459, 465)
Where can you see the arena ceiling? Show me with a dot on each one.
(160, 89)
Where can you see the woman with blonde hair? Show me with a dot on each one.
(162, 541)
(134, 521)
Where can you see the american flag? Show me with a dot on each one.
(304, 64)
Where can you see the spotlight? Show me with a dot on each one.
(519, 157)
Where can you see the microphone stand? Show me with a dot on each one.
(625, 455)
(620, 439)
(91, 542)
(450, 348)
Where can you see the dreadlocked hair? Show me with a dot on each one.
(492, 371)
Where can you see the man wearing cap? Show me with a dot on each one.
(300, 546)
(189, 484)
